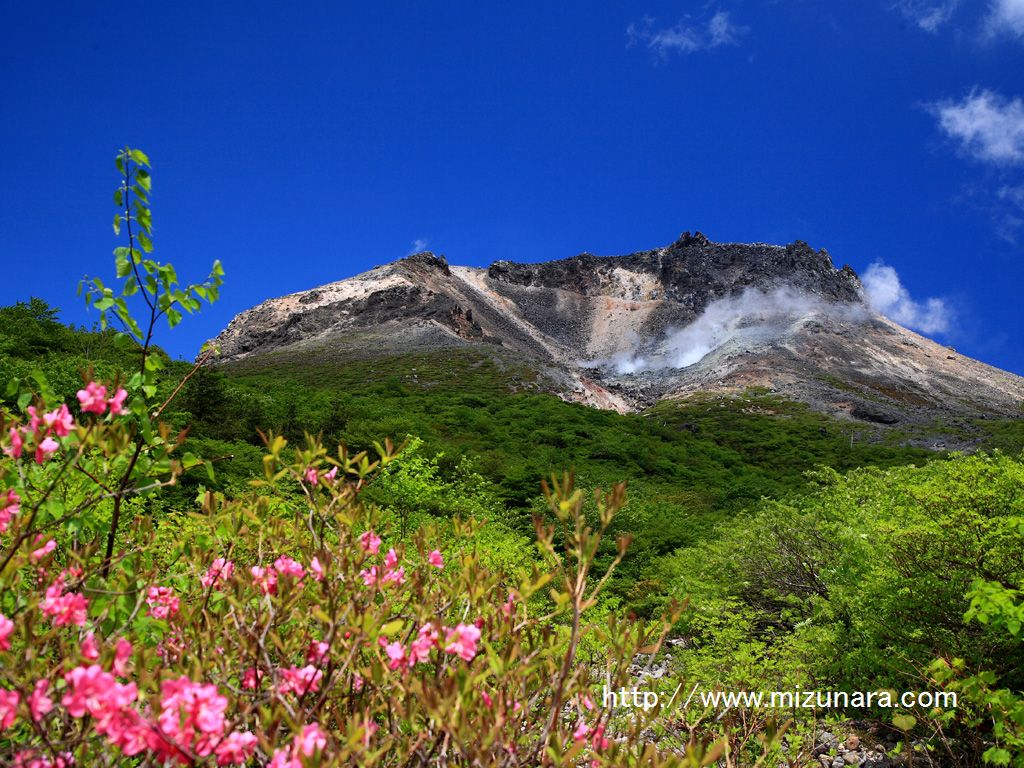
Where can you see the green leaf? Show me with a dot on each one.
(138, 156)
(145, 242)
(144, 180)
(904, 722)
(117, 223)
(121, 263)
(392, 627)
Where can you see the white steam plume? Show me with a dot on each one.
(753, 312)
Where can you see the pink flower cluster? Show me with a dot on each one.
(388, 575)
(461, 641)
(313, 477)
(299, 681)
(370, 542)
(93, 399)
(191, 719)
(38, 554)
(306, 744)
(40, 430)
(31, 758)
(284, 567)
(162, 602)
(62, 606)
(6, 630)
(220, 570)
(9, 507)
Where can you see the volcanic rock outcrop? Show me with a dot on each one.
(623, 332)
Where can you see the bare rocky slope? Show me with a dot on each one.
(624, 332)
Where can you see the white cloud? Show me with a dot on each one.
(929, 15)
(686, 37)
(419, 245)
(1005, 17)
(1009, 212)
(987, 126)
(886, 294)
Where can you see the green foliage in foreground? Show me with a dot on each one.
(863, 583)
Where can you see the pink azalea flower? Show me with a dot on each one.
(64, 608)
(122, 654)
(509, 606)
(311, 476)
(282, 759)
(93, 398)
(426, 640)
(9, 507)
(317, 569)
(32, 758)
(163, 604)
(43, 551)
(251, 678)
(60, 421)
(38, 702)
(90, 649)
(396, 576)
(369, 576)
(299, 681)
(117, 402)
(330, 475)
(581, 732)
(14, 449)
(462, 641)
(369, 728)
(370, 542)
(6, 630)
(598, 740)
(236, 748)
(265, 578)
(436, 559)
(310, 741)
(390, 559)
(317, 652)
(45, 449)
(487, 699)
(285, 566)
(8, 708)
(396, 654)
(35, 421)
(191, 716)
(218, 572)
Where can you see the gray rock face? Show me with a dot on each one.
(623, 332)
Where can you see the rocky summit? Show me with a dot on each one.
(624, 332)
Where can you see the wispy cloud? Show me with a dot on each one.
(987, 126)
(887, 294)
(419, 245)
(1005, 18)
(687, 36)
(1009, 212)
(929, 15)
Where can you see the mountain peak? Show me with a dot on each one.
(626, 331)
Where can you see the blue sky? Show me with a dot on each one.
(304, 143)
